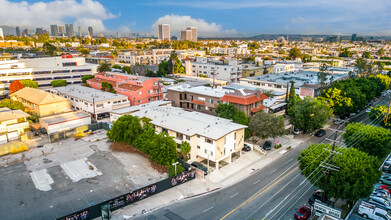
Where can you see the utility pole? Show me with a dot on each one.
(93, 105)
(329, 167)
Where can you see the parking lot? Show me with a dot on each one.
(60, 178)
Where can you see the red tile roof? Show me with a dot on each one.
(243, 100)
(258, 108)
(198, 102)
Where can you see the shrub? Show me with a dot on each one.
(278, 146)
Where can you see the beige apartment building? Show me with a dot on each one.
(13, 123)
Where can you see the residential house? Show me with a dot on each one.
(13, 124)
(40, 102)
(247, 101)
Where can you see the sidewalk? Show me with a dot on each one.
(228, 175)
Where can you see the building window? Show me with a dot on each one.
(201, 98)
(235, 136)
(225, 140)
(209, 141)
(139, 93)
(198, 107)
(198, 147)
(211, 153)
(139, 101)
(99, 105)
(188, 138)
(234, 146)
(211, 101)
(206, 151)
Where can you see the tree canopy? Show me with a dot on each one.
(15, 86)
(309, 114)
(58, 83)
(370, 139)
(11, 104)
(357, 174)
(294, 53)
(86, 77)
(104, 67)
(29, 83)
(379, 115)
(346, 53)
(265, 125)
(229, 111)
(125, 129)
(322, 75)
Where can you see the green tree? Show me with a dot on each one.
(116, 67)
(86, 77)
(379, 114)
(294, 53)
(292, 92)
(322, 75)
(346, 53)
(229, 111)
(370, 139)
(163, 69)
(309, 114)
(84, 51)
(125, 129)
(11, 104)
(104, 67)
(105, 86)
(266, 125)
(178, 68)
(58, 83)
(367, 55)
(357, 174)
(127, 69)
(380, 52)
(49, 49)
(185, 148)
(171, 169)
(29, 83)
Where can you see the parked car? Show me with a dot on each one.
(303, 213)
(200, 166)
(296, 131)
(380, 202)
(352, 114)
(385, 187)
(246, 148)
(382, 191)
(267, 145)
(368, 110)
(318, 194)
(338, 121)
(368, 210)
(320, 133)
(387, 165)
(382, 195)
(386, 180)
(39, 146)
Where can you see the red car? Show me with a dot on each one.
(303, 213)
(388, 188)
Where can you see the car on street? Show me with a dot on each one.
(39, 146)
(386, 180)
(200, 166)
(303, 213)
(338, 121)
(246, 147)
(267, 145)
(320, 133)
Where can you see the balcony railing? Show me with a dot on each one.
(18, 126)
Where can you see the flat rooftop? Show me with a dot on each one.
(87, 94)
(140, 107)
(189, 123)
(8, 114)
(69, 116)
(201, 90)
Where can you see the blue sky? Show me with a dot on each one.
(212, 17)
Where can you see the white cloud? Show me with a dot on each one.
(205, 29)
(83, 13)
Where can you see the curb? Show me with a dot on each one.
(200, 194)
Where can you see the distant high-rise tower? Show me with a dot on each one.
(17, 31)
(186, 35)
(164, 32)
(79, 28)
(1, 33)
(26, 32)
(61, 30)
(69, 30)
(54, 30)
(90, 32)
(193, 30)
(39, 31)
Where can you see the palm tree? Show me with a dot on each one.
(104, 67)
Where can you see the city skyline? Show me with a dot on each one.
(212, 18)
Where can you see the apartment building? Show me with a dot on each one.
(45, 70)
(228, 69)
(247, 101)
(92, 101)
(153, 57)
(199, 98)
(138, 89)
(210, 137)
(164, 32)
(115, 114)
(13, 123)
(40, 102)
(251, 70)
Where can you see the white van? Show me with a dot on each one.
(370, 211)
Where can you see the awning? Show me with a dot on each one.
(253, 110)
(278, 105)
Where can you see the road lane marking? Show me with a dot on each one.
(234, 195)
(256, 182)
(273, 171)
(258, 194)
(289, 161)
(207, 209)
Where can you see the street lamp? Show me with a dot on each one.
(174, 164)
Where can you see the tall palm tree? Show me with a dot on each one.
(104, 67)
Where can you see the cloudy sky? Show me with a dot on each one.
(212, 17)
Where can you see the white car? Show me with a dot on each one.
(370, 211)
(368, 110)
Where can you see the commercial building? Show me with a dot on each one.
(164, 32)
(138, 89)
(41, 103)
(189, 34)
(26, 32)
(17, 29)
(69, 30)
(79, 30)
(228, 69)
(45, 70)
(54, 30)
(92, 101)
(39, 31)
(211, 138)
(61, 30)
(65, 122)
(13, 123)
(90, 31)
